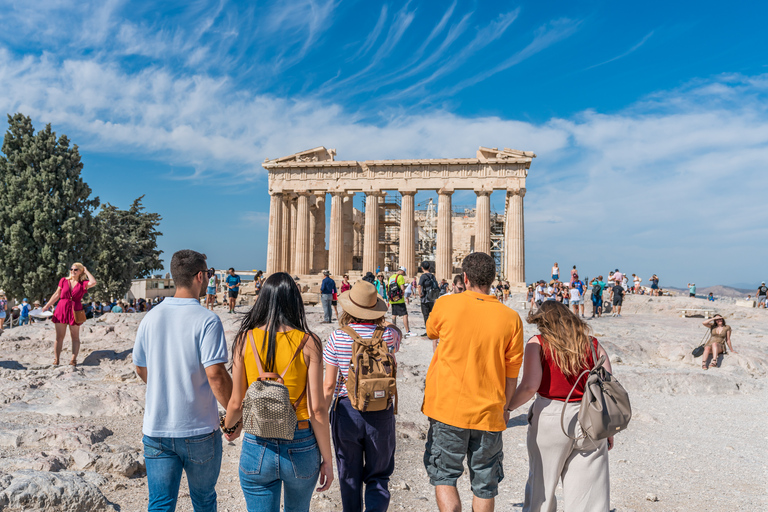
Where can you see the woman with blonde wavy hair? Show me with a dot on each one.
(552, 363)
(69, 294)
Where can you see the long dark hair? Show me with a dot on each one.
(279, 304)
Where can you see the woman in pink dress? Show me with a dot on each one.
(69, 294)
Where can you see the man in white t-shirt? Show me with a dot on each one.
(181, 353)
(540, 293)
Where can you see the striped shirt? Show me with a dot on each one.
(338, 349)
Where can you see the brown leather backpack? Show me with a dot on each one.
(371, 381)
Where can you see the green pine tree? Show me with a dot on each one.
(46, 220)
(127, 248)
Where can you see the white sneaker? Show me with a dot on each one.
(409, 333)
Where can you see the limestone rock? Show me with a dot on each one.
(37, 491)
(51, 461)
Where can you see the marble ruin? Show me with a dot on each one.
(299, 185)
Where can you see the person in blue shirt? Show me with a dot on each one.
(233, 285)
(691, 289)
(24, 313)
(181, 354)
(327, 289)
(598, 285)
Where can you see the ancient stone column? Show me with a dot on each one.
(336, 243)
(274, 246)
(515, 238)
(302, 235)
(319, 254)
(444, 257)
(483, 222)
(349, 237)
(357, 249)
(285, 248)
(407, 233)
(294, 218)
(371, 233)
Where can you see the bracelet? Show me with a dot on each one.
(226, 430)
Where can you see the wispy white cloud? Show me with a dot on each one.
(373, 36)
(545, 37)
(482, 39)
(634, 48)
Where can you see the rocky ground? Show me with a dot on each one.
(70, 439)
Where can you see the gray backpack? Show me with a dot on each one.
(605, 408)
(267, 408)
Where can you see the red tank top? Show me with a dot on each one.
(556, 386)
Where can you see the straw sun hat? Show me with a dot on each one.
(362, 301)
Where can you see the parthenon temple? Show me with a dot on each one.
(390, 231)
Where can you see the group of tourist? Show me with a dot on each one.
(20, 313)
(470, 392)
(232, 287)
(572, 292)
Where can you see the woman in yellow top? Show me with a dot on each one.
(278, 325)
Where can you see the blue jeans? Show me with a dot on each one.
(266, 465)
(365, 455)
(198, 456)
(326, 299)
(24, 321)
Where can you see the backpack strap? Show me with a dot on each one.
(272, 375)
(262, 374)
(597, 364)
(377, 335)
(298, 350)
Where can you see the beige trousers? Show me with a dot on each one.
(582, 465)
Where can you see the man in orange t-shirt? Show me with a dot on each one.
(470, 382)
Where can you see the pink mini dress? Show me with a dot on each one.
(69, 301)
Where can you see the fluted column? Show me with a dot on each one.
(444, 258)
(515, 237)
(336, 243)
(319, 254)
(407, 233)
(371, 234)
(302, 234)
(274, 245)
(294, 219)
(483, 222)
(285, 245)
(347, 208)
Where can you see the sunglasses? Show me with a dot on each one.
(74, 270)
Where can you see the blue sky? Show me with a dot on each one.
(649, 120)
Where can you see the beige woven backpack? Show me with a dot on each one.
(267, 408)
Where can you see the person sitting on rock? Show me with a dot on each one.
(720, 335)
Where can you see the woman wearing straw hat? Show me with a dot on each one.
(69, 294)
(364, 441)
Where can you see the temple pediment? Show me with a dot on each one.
(318, 154)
